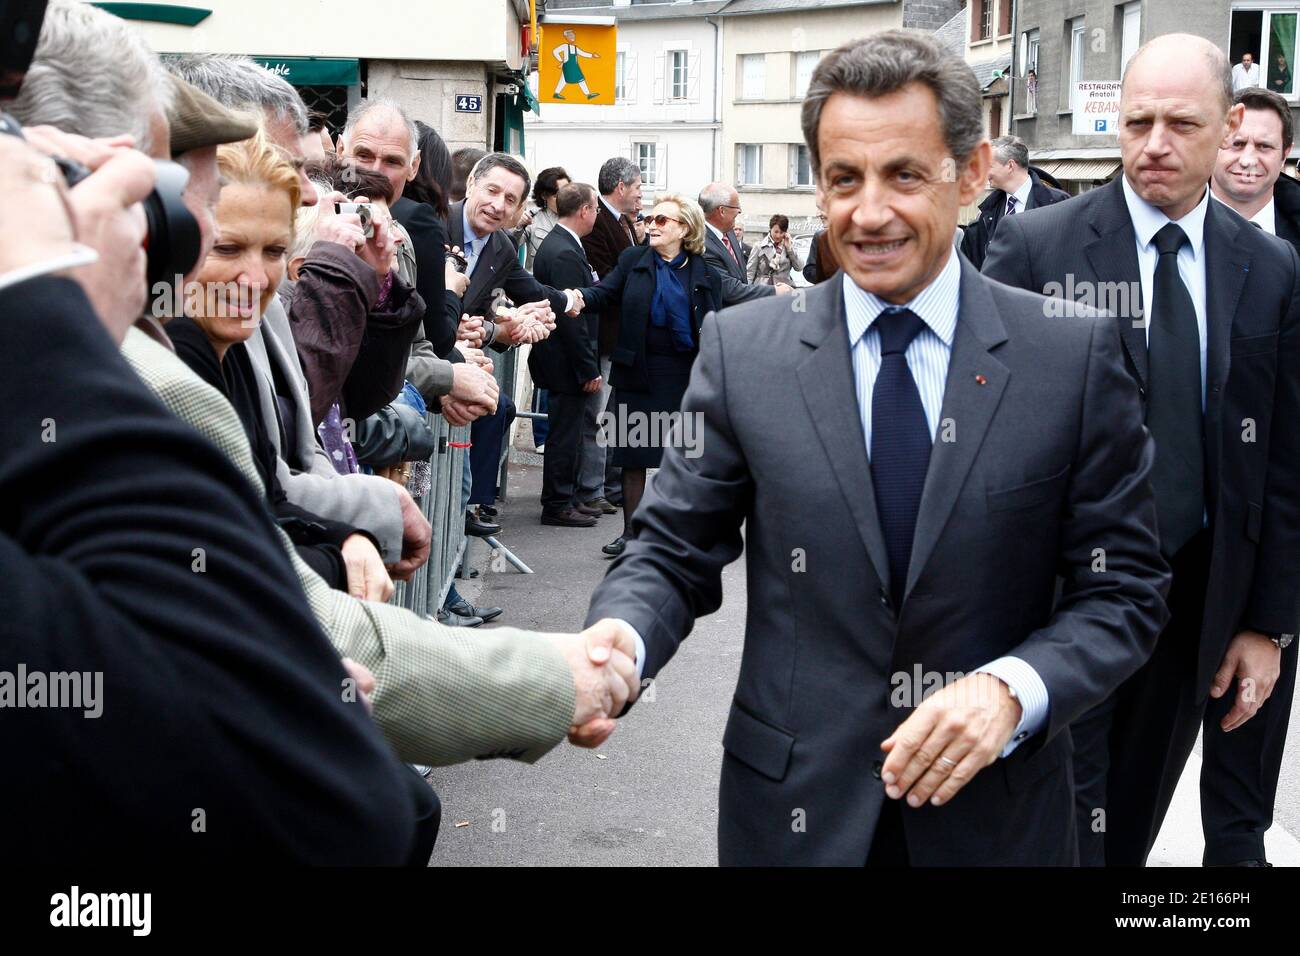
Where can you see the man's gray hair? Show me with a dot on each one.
(1011, 148)
(714, 195)
(620, 169)
(885, 63)
(240, 82)
(503, 161)
(366, 106)
(93, 74)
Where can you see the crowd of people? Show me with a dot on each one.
(212, 473)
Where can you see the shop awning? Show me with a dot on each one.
(313, 71)
(1085, 169)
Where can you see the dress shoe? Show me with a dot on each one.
(568, 518)
(488, 510)
(455, 620)
(478, 527)
(465, 609)
(588, 510)
(603, 504)
(615, 500)
(616, 546)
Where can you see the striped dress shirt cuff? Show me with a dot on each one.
(1029, 689)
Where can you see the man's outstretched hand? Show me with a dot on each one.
(603, 661)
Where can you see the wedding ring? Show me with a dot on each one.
(948, 762)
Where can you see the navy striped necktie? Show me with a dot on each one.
(900, 443)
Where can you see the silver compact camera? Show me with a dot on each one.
(363, 210)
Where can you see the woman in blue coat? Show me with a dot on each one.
(665, 290)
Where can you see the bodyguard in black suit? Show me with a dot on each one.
(566, 363)
(1214, 358)
(914, 458)
(1240, 762)
(1016, 188)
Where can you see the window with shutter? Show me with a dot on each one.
(753, 76)
(661, 62)
(630, 77)
(804, 65)
(693, 81)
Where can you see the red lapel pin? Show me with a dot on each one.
(980, 379)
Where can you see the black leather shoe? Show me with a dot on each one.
(568, 518)
(603, 504)
(488, 510)
(465, 609)
(588, 510)
(616, 546)
(476, 527)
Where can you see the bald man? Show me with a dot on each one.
(1214, 357)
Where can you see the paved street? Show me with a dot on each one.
(649, 796)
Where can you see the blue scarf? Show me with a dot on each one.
(671, 306)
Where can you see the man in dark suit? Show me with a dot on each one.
(1241, 762)
(722, 246)
(972, 449)
(1014, 188)
(566, 363)
(619, 183)
(495, 189)
(1213, 355)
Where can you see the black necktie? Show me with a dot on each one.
(1011, 205)
(900, 443)
(1174, 408)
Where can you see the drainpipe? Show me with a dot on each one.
(717, 96)
(1015, 49)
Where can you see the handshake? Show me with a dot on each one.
(603, 661)
(525, 324)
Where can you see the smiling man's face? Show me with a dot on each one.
(492, 199)
(1251, 159)
(890, 189)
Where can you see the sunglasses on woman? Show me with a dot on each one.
(662, 220)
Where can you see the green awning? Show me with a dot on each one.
(157, 12)
(313, 71)
(529, 100)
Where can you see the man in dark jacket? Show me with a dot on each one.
(1241, 762)
(566, 364)
(1016, 187)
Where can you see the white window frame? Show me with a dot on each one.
(1130, 12)
(620, 76)
(800, 93)
(656, 164)
(741, 154)
(1029, 45)
(1266, 41)
(671, 86)
(796, 149)
(746, 60)
(1074, 62)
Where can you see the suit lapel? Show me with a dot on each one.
(1113, 256)
(484, 275)
(830, 393)
(1227, 264)
(976, 380)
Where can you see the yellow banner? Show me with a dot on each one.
(575, 64)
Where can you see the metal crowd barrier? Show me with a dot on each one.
(425, 592)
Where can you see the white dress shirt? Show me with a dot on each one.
(927, 358)
(1147, 221)
(1266, 218)
(1022, 195)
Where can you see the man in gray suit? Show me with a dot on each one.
(722, 246)
(978, 444)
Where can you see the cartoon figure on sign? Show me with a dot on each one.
(568, 55)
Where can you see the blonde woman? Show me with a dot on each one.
(224, 306)
(664, 291)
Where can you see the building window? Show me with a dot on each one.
(749, 164)
(620, 77)
(800, 166)
(804, 64)
(678, 78)
(646, 156)
(753, 76)
(981, 19)
(1029, 68)
(1004, 18)
(1074, 59)
(1270, 37)
(1130, 31)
